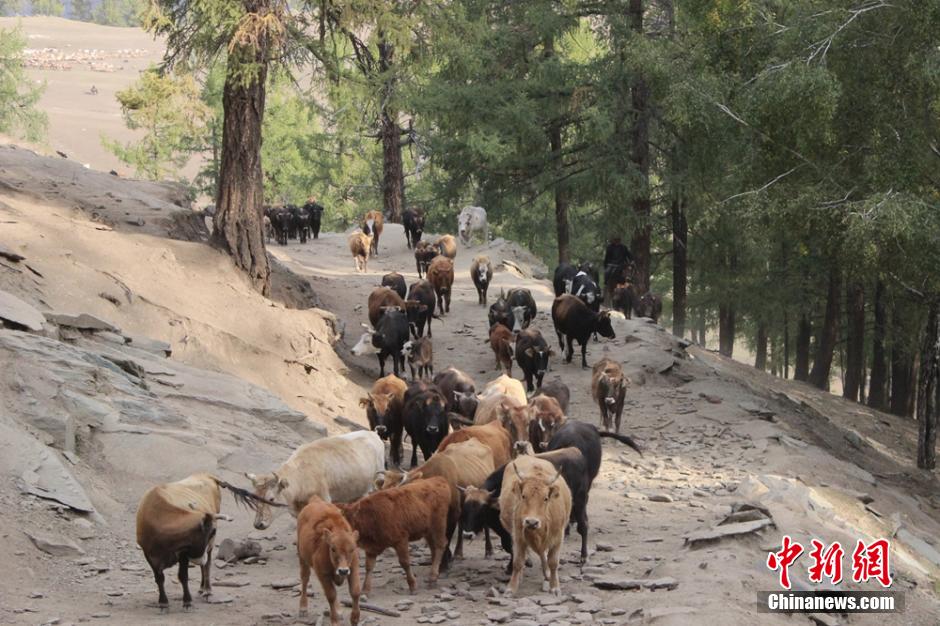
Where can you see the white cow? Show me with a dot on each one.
(472, 218)
(335, 469)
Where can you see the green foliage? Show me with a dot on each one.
(48, 7)
(169, 111)
(18, 94)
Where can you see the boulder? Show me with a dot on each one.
(18, 313)
(81, 321)
(55, 545)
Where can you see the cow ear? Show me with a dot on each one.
(551, 352)
(327, 534)
(530, 352)
(282, 484)
(413, 476)
(492, 498)
(355, 536)
(364, 402)
(553, 492)
(251, 477)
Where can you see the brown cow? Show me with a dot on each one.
(383, 406)
(463, 464)
(502, 342)
(394, 517)
(425, 252)
(608, 388)
(360, 244)
(494, 436)
(535, 507)
(558, 390)
(380, 299)
(545, 417)
(447, 246)
(441, 277)
(481, 273)
(373, 222)
(420, 355)
(326, 543)
(176, 524)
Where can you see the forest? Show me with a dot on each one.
(771, 164)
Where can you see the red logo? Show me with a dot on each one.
(782, 560)
(871, 562)
(868, 562)
(826, 563)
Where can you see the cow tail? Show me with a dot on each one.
(245, 497)
(622, 439)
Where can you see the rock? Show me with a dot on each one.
(9, 255)
(436, 619)
(81, 321)
(617, 583)
(660, 497)
(526, 611)
(219, 598)
(84, 529)
(285, 584)
(582, 618)
(230, 551)
(150, 345)
(498, 616)
(585, 598)
(231, 582)
(56, 546)
(19, 313)
(101, 615)
(920, 547)
(727, 530)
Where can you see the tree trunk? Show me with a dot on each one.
(855, 341)
(804, 333)
(760, 360)
(561, 190)
(786, 345)
(680, 267)
(828, 334)
(701, 326)
(640, 156)
(237, 225)
(393, 174)
(901, 367)
(726, 321)
(878, 380)
(928, 394)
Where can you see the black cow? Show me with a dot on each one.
(586, 289)
(522, 306)
(314, 215)
(590, 269)
(574, 320)
(280, 223)
(425, 418)
(413, 221)
(422, 292)
(499, 312)
(388, 339)
(564, 277)
(458, 389)
(395, 282)
(532, 353)
(300, 223)
(624, 298)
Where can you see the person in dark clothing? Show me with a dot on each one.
(616, 259)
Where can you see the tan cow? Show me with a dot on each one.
(334, 469)
(447, 246)
(383, 406)
(507, 385)
(534, 506)
(496, 407)
(326, 544)
(360, 245)
(372, 223)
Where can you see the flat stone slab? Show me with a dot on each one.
(618, 583)
(728, 530)
(82, 321)
(54, 545)
(14, 310)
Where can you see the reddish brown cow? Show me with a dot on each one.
(326, 544)
(502, 343)
(545, 418)
(373, 220)
(441, 277)
(493, 435)
(380, 299)
(394, 517)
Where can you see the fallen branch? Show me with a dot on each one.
(365, 606)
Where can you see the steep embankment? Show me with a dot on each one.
(96, 420)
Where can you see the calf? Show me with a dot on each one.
(574, 320)
(394, 517)
(395, 282)
(334, 469)
(608, 388)
(447, 246)
(545, 418)
(422, 312)
(373, 221)
(472, 219)
(457, 388)
(535, 507)
(558, 390)
(326, 544)
(413, 221)
(463, 464)
(532, 353)
(176, 524)
(360, 244)
(499, 312)
(649, 305)
(424, 254)
(481, 273)
(300, 223)
(420, 356)
(501, 342)
(425, 419)
(315, 215)
(387, 339)
(522, 305)
(563, 279)
(383, 406)
(624, 298)
(281, 223)
(441, 277)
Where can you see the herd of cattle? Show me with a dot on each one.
(501, 458)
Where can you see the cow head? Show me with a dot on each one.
(474, 503)
(519, 320)
(533, 497)
(463, 225)
(408, 350)
(268, 487)
(466, 402)
(483, 270)
(603, 326)
(500, 313)
(539, 356)
(344, 552)
(614, 385)
(387, 479)
(545, 418)
(515, 419)
(435, 412)
(378, 405)
(367, 343)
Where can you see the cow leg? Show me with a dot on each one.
(518, 564)
(538, 380)
(404, 559)
(582, 519)
(354, 591)
(163, 602)
(414, 454)
(428, 321)
(543, 558)
(584, 353)
(561, 340)
(447, 298)
(488, 544)
(437, 541)
(329, 592)
(458, 549)
(412, 367)
(485, 289)
(553, 586)
(370, 565)
(570, 349)
(184, 582)
(382, 365)
(619, 416)
(528, 382)
(304, 579)
(395, 448)
(205, 585)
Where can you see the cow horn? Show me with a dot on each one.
(404, 478)
(552, 481)
(461, 489)
(516, 470)
(222, 516)
(541, 425)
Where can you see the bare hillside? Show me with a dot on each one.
(93, 410)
